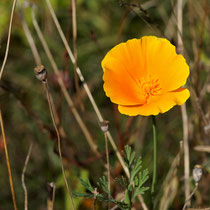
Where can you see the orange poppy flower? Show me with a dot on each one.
(145, 76)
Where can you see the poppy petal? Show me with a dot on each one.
(159, 104)
(120, 81)
(163, 63)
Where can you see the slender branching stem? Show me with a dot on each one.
(87, 91)
(58, 138)
(8, 162)
(190, 196)
(65, 92)
(68, 98)
(86, 88)
(1, 120)
(8, 38)
(23, 177)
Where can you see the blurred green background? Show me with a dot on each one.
(101, 24)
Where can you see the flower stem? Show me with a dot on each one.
(155, 157)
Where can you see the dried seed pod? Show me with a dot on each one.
(41, 73)
(197, 173)
(104, 125)
(51, 190)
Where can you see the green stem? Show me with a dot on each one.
(155, 156)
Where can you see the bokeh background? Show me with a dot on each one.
(101, 24)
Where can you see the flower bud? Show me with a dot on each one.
(104, 125)
(41, 73)
(197, 173)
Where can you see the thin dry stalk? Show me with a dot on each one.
(59, 140)
(143, 204)
(198, 209)
(142, 8)
(184, 110)
(73, 60)
(172, 25)
(108, 165)
(83, 127)
(57, 120)
(170, 182)
(23, 177)
(38, 62)
(85, 84)
(190, 196)
(30, 39)
(95, 193)
(90, 95)
(8, 162)
(197, 59)
(186, 152)
(202, 148)
(74, 28)
(192, 28)
(199, 108)
(1, 120)
(8, 38)
(122, 23)
(51, 196)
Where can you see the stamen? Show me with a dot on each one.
(149, 87)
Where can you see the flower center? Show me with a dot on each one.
(149, 87)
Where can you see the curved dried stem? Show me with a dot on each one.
(83, 127)
(8, 38)
(59, 140)
(23, 177)
(100, 118)
(8, 162)
(190, 196)
(1, 120)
